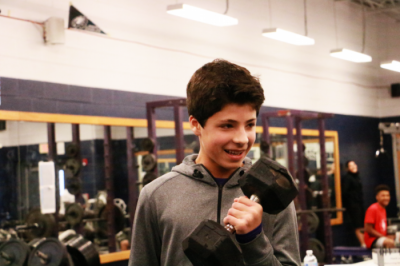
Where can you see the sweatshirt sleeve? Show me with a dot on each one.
(146, 240)
(282, 249)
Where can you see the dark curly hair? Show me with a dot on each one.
(219, 83)
(380, 188)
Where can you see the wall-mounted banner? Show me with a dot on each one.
(77, 20)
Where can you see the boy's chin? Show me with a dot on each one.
(232, 165)
(384, 204)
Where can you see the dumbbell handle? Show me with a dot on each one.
(27, 226)
(44, 259)
(230, 228)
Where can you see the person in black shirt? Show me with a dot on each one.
(353, 199)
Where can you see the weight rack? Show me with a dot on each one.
(295, 116)
(177, 104)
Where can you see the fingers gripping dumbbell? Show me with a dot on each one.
(267, 183)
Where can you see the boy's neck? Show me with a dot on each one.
(215, 170)
(384, 207)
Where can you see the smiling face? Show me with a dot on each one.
(352, 167)
(226, 138)
(383, 198)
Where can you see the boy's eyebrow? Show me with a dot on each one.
(235, 121)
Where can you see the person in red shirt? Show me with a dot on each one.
(375, 222)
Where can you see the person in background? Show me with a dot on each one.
(353, 199)
(375, 234)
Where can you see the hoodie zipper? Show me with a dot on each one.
(219, 203)
(220, 192)
(220, 188)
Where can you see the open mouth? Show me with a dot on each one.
(232, 152)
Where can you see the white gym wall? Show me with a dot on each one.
(149, 51)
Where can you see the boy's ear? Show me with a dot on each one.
(195, 125)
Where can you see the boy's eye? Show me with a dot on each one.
(251, 125)
(226, 126)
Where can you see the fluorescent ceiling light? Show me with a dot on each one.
(201, 15)
(287, 36)
(391, 65)
(350, 55)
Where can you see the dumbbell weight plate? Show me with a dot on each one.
(211, 244)
(82, 251)
(101, 225)
(33, 243)
(149, 162)
(46, 224)
(74, 214)
(73, 165)
(318, 249)
(49, 252)
(101, 200)
(66, 235)
(148, 177)
(73, 185)
(271, 182)
(121, 204)
(14, 252)
(147, 144)
(68, 174)
(72, 150)
(312, 221)
(268, 183)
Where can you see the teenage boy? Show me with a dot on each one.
(223, 101)
(375, 221)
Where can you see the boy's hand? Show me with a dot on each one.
(245, 215)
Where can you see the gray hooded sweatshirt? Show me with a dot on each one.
(173, 205)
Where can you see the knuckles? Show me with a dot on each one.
(244, 199)
(244, 214)
(236, 205)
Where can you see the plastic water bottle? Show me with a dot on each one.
(310, 259)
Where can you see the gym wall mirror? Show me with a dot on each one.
(25, 142)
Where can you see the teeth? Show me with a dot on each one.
(234, 152)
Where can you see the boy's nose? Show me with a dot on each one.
(241, 137)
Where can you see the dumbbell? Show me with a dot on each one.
(38, 225)
(74, 214)
(82, 251)
(38, 252)
(267, 183)
(50, 252)
(14, 252)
